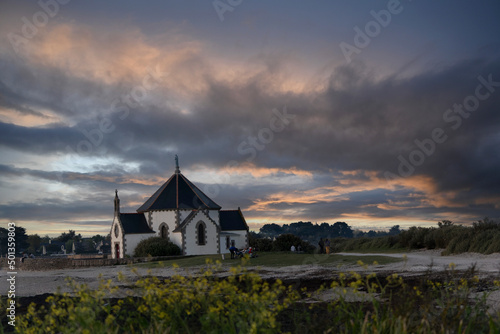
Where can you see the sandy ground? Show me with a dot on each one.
(421, 261)
(412, 263)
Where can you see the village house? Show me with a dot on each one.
(181, 212)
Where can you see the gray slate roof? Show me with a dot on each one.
(134, 223)
(178, 193)
(232, 220)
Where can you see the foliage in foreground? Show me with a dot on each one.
(241, 303)
(368, 304)
(244, 303)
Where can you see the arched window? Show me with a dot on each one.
(201, 233)
(164, 231)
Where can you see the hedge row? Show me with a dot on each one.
(156, 246)
(282, 243)
(482, 237)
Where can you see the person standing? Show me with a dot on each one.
(233, 251)
(321, 245)
(327, 246)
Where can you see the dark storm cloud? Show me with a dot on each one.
(54, 209)
(104, 180)
(358, 122)
(25, 86)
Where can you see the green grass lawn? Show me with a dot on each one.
(273, 259)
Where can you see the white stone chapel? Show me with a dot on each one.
(182, 213)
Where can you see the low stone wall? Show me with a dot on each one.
(46, 263)
(87, 256)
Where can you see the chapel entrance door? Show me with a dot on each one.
(117, 250)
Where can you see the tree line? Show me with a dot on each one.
(483, 236)
(274, 237)
(313, 232)
(33, 243)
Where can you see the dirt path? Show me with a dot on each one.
(412, 263)
(421, 261)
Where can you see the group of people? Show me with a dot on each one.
(324, 246)
(25, 256)
(236, 253)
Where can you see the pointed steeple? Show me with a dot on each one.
(177, 170)
(117, 203)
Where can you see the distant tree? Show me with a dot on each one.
(254, 235)
(324, 230)
(285, 241)
(66, 236)
(394, 230)
(3, 241)
(68, 245)
(445, 223)
(301, 228)
(271, 230)
(21, 239)
(71, 235)
(341, 229)
(85, 246)
(98, 238)
(359, 234)
(34, 242)
(485, 224)
(261, 244)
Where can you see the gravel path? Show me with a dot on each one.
(413, 263)
(421, 261)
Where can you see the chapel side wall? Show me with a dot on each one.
(240, 240)
(222, 244)
(159, 217)
(168, 217)
(212, 237)
(132, 240)
(176, 238)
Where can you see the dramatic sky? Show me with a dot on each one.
(374, 113)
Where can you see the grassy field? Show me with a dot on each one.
(273, 259)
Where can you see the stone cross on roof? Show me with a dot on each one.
(177, 170)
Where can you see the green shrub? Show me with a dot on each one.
(262, 244)
(494, 245)
(156, 246)
(284, 243)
